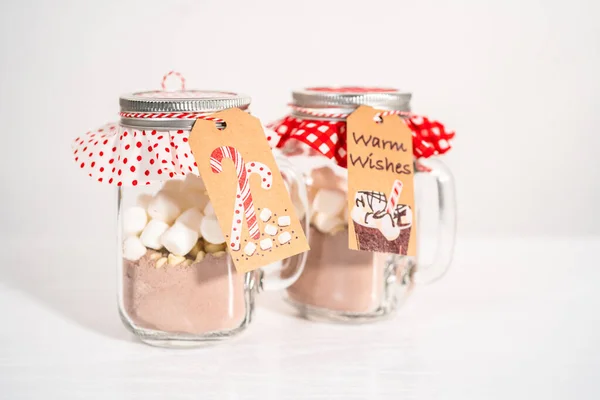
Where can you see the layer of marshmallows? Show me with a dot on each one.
(179, 219)
(328, 200)
(329, 210)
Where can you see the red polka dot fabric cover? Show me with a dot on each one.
(123, 156)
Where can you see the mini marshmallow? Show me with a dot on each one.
(284, 237)
(271, 230)
(191, 218)
(387, 228)
(250, 248)
(329, 201)
(266, 244)
(210, 230)
(134, 220)
(179, 239)
(327, 223)
(284, 221)
(163, 208)
(265, 214)
(133, 248)
(152, 232)
(208, 209)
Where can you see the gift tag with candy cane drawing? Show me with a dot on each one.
(246, 189)
(380, 183)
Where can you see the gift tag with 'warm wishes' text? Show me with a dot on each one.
(381, 208)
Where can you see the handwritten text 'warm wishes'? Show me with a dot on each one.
(379, 164)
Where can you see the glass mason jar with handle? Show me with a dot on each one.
(177, 283)
(338, 283)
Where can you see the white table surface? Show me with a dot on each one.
(513, 319)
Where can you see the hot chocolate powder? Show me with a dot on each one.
(338, 278)
(204, 297)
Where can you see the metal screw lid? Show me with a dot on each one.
(352, 97)
(182, 101)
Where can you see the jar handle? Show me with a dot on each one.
(446, 230)
(294, 265)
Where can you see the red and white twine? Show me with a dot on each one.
(312, 112)
(178, 115)
(163, 84)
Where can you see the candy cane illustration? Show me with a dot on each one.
(243, 202)
(216, 163)
(394, 196)
(255, 167)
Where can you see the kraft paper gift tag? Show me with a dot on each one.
(246, 189)
(380, 184)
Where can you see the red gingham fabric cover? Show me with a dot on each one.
(430, 137)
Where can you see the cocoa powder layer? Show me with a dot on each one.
(205, 297)
(338, 278)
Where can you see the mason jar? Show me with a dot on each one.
(340, 284)
(177, 283)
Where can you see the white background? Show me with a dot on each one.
(518, 81)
